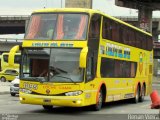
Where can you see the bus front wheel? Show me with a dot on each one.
(99, 102)
(48, 107)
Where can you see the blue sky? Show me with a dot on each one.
(25, 7)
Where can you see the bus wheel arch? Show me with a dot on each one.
(104, 91)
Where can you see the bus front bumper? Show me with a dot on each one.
(72, 101)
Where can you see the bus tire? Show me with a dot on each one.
(143, 92)
(3, 79)
(48, 107)
(99, 102)
(136, 99)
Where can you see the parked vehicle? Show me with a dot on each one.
(8, 74)
(14, 88)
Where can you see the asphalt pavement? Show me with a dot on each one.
(4, 87)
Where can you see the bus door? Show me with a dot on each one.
(92, 58)
(90, 88)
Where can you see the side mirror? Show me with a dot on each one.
(83, 57)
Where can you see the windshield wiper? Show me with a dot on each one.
(66, 77)
(57, 69)
(39, 79)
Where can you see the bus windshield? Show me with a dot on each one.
(58, 26)
(65, 65)
(51, 65)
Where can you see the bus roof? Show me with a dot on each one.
(90, 11)
(65, 10)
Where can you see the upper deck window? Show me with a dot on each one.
(57, 27)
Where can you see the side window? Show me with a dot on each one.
(122, 34)
(137, 40)
(144, 42)
(94, 30)
(115, 31)
(8, 71)
(126, 69)
(107, 26)
(17, 59)
(125, 35)
(89, 70)
(133, 69)
(5, 58)
(149, 43)
(131, 37)
(13, 72)
(117, 68)
(93, 40)
(107, 67)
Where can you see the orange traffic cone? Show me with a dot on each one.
(155, 100)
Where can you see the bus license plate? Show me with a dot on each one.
(47, 100)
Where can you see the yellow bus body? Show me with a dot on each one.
(116, 88)
(5, 65)
(8, 58)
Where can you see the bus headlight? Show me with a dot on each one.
(74, 93)
(25, 91)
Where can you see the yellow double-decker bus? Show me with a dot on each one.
(83, 57)
(11, 59)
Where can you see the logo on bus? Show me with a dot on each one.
(115, 51)
(30, 86)
(47, 91)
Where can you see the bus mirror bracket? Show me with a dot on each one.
(83, 57)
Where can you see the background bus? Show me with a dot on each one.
(10, 59)
(5, 64)
(90, 58)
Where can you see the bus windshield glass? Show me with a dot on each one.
(17, 59)
(64, 65)
(51, 65)
(35, 62)
(58, 26)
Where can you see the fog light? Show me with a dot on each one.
(20, 98)
(78, 101)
